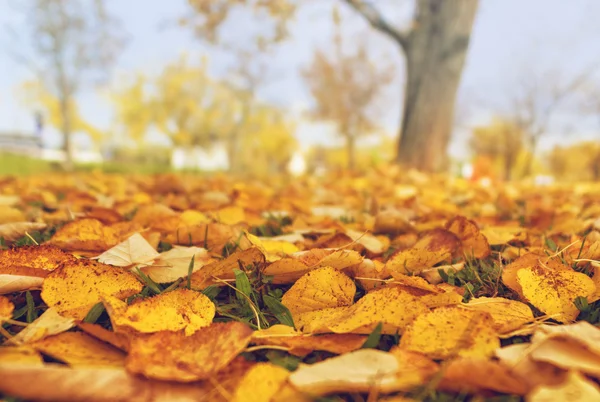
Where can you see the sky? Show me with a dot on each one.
(512, 40)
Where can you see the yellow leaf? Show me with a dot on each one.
(10, 215)
(553, 291)
(473, 243)
(36, 261)
(6, 309)
(290, 269)
(436, 246)
(230, 215)
(85, 235)
(187, 358)
(261, 383)
(299, 344)
(223, 269)
(392, 306)
(74, 289)
(318, 289)
(79, 349)
(451, 331)
(19, 355)
(508, 315)
(170, 311)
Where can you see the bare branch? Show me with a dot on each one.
(377, 21)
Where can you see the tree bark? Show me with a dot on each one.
(435, 50)
(67, 133)
(351, 151)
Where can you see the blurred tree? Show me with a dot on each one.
(537, 99)
(73, 43)
(501, 142)
(133, 109)
(209, 16)
(580, 161)
(345, 88)
(435, 47)
(35, 93)
(336, 158)
(192, 108)
(269, 143)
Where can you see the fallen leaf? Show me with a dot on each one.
(134, 250)
(48, 324)
(55, 382)
(85, 235)
(261, 383)
(508, 315)
(20, 355)
(6, 309)
(436, 246)
(74, 289)
(223, 269)
(290, 269)
(79, 349)
(299, 344)
(473, 243)
(318, 289)
(476, 375)
(36, 261)
(119, 341)
(391, 306)
(11, 232)
(175, 263)
(575, 388)
(363, 370)
(451, 331)
(180, 309)
(174, 356)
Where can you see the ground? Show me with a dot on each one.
(388, 285)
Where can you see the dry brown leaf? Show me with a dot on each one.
(174, 356)
(48, 324)
(55, 382)
(74, 289)
(575, 388)
(475, 375)
(11, 232)
(79, 349)
(517, 359)
(175, 263)
(134, 250)
(299, 344)
(364, 370)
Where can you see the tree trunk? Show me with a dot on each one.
(351, 151)
(435, 52)
(67, 133)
